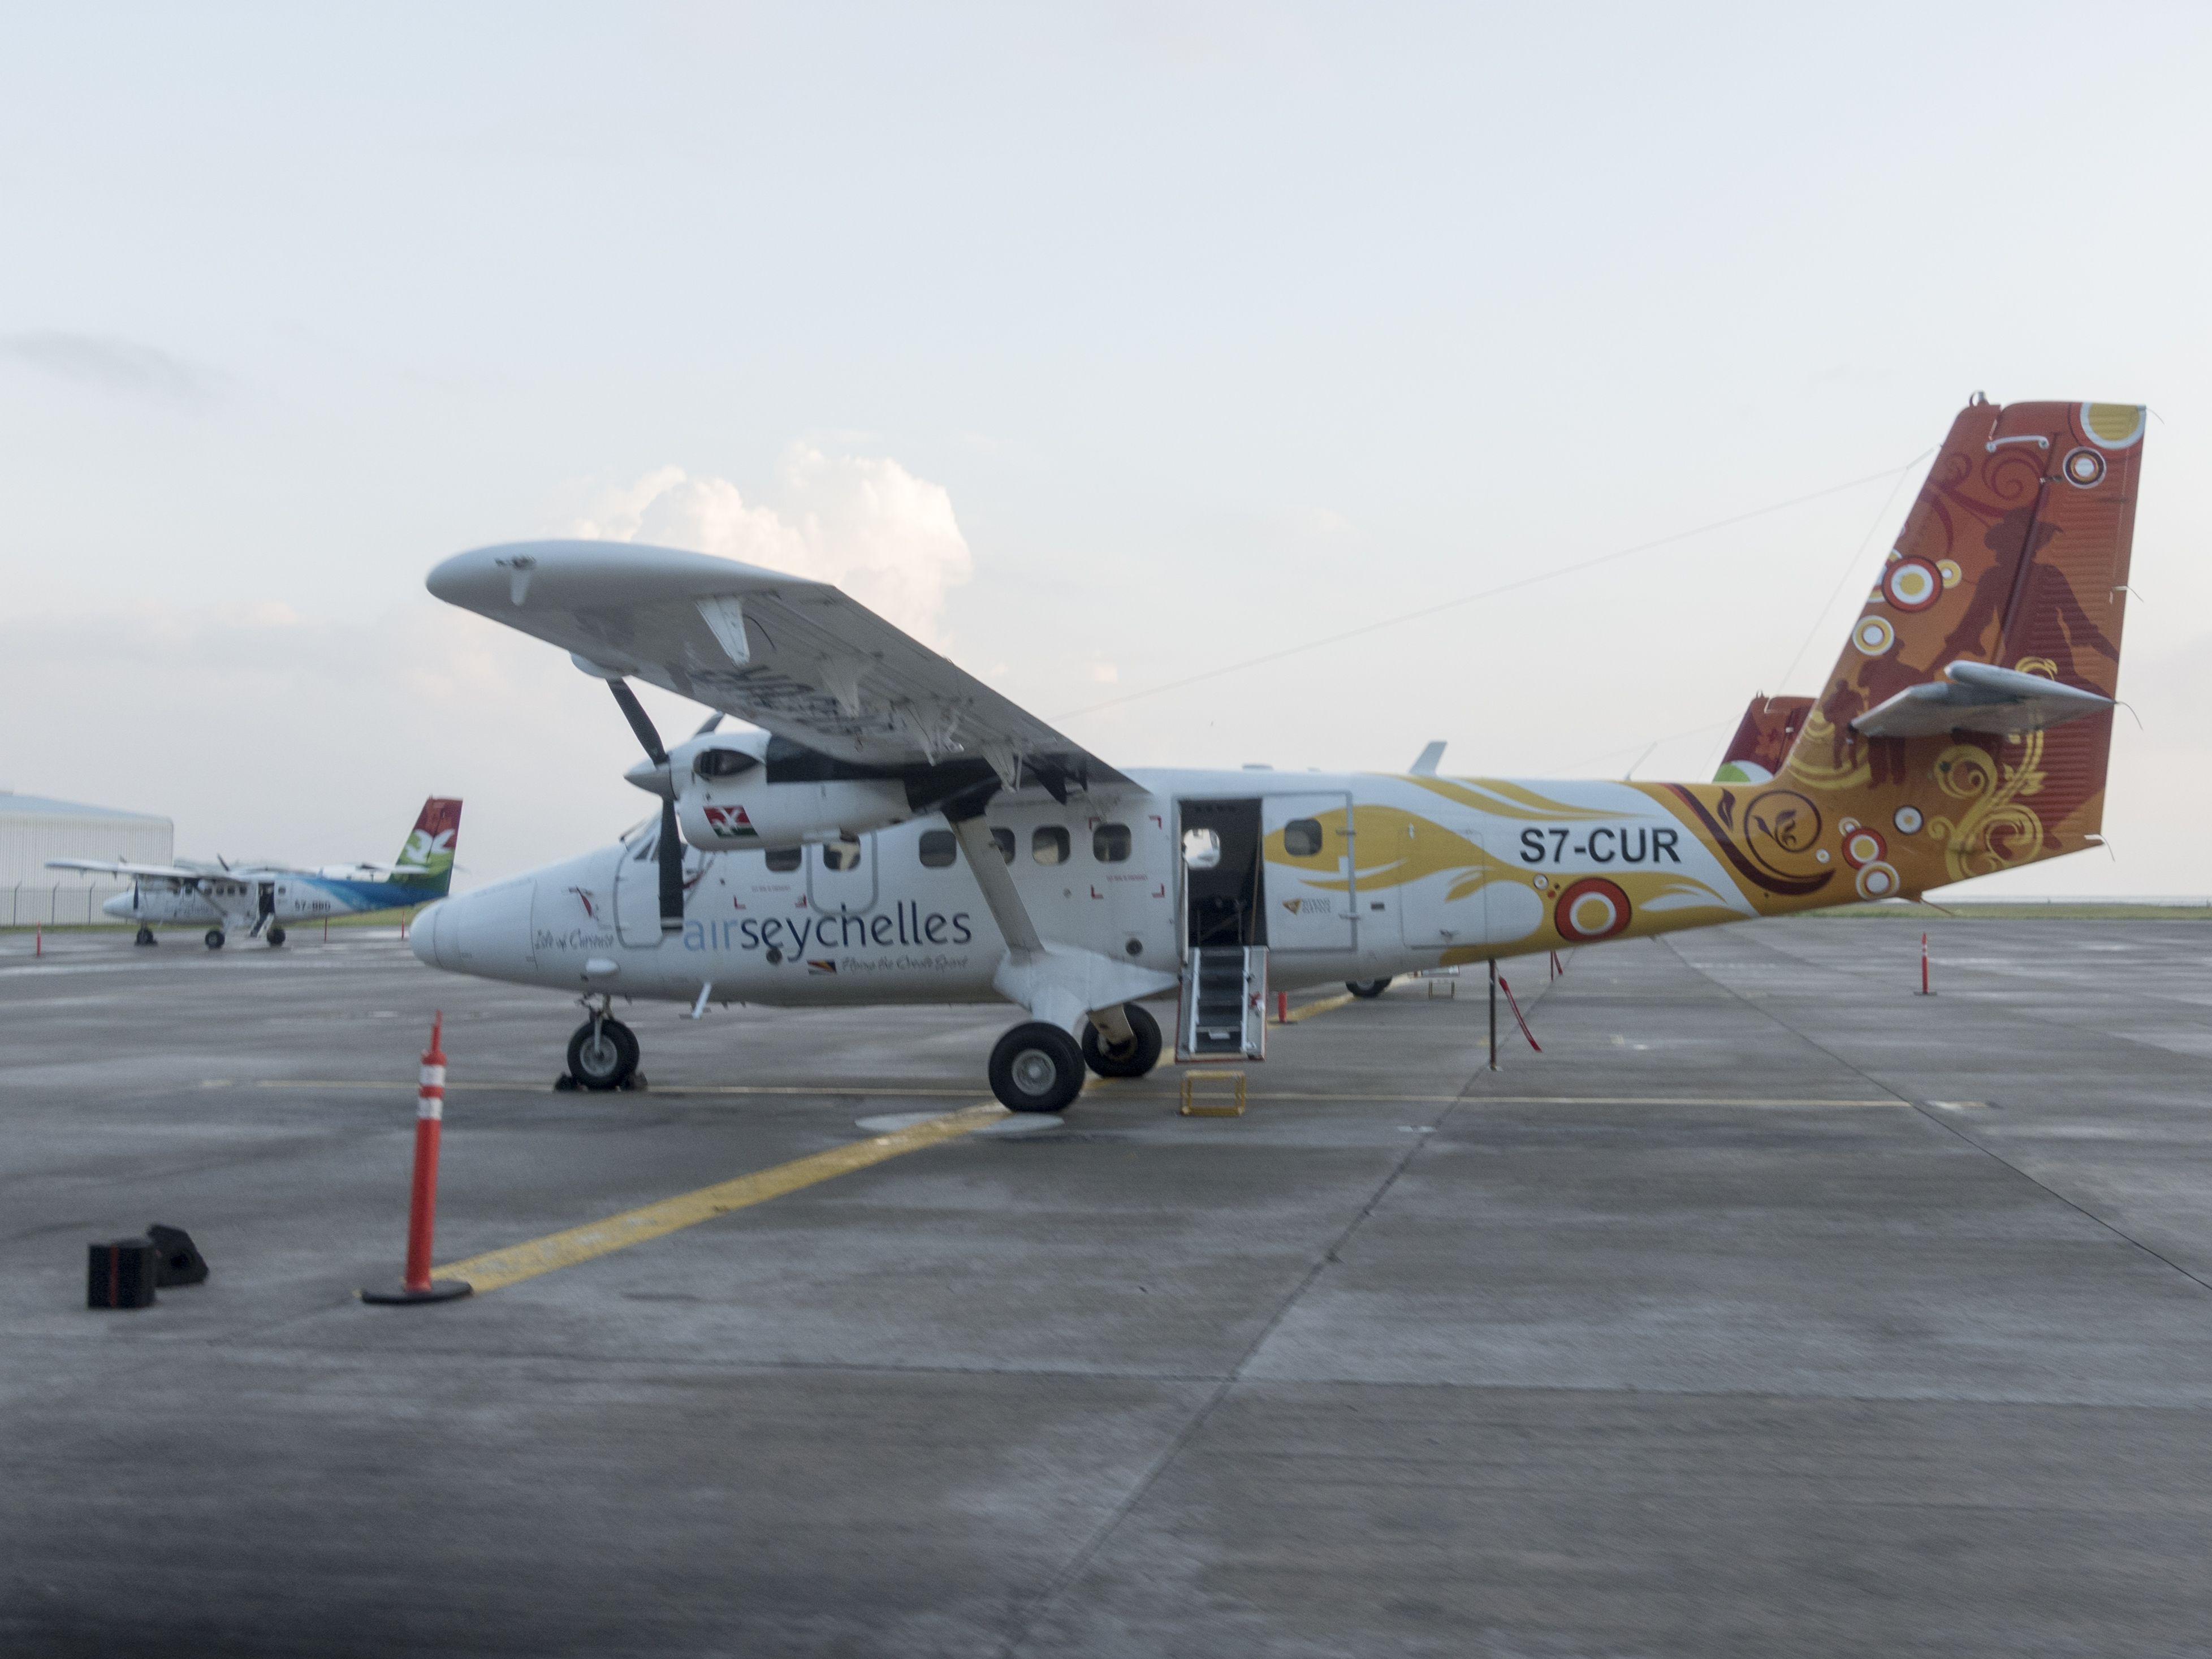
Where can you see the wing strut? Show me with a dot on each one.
(998, 885)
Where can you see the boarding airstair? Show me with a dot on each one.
(1225, 1003)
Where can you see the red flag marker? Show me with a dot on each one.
(1515, 1007)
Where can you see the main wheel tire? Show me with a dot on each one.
(602, 1056)
(276, 936)
(1367, 989)
(1036, 1068)
(145, 937)
(1134, 1058)
(215, 938)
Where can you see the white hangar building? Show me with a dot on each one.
(34, 829)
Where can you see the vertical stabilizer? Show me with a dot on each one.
(426, 862)
(2014, 557)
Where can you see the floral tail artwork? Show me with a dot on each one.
(1913, 766)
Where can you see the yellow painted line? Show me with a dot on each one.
(497, 1268)
(1306, 1010)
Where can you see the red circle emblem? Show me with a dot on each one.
(1863, 847)
(1912, 584)
(1592, 909)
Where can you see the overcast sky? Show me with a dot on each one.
(1099, 344)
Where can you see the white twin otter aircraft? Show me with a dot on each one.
(255, 898)
(897, 831)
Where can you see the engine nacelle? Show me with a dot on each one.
(728, 801)
(754, 812)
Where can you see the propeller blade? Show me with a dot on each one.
(669, 855)
(640, 722)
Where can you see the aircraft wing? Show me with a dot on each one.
(800, 659)
(122, 867)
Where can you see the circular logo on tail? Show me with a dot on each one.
(1863, 847)
(1877, 881)
(1874, 635)
(1912, 584)
(2083, 468)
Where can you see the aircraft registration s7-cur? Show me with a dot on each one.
(897, 831)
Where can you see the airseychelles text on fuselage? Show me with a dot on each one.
(908, 924)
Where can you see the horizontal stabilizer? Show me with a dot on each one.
(1976, 696)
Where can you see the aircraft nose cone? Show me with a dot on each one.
(422, 933)
(118, 906)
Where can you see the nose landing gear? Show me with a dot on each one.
(603, 1054)
(145, 936)
(276, 936)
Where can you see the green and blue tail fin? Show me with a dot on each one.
(425, 864)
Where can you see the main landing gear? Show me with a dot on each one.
(1036, 1067)
(275, 937)
(1367, 989)
(1131, 1055)
(214, 937)
(602, 1054)
(145, 936)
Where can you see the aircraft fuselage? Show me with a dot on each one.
(1360, 875)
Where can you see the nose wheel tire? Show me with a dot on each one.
(1036, 1068)
(145, 937)
(276, 936)
(215, 938)
(1367, 989)
(1133, 1058)
(602, 1055)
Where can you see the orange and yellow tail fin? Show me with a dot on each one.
(1967, 726)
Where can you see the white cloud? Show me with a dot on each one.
(110, 364)
(866, 524)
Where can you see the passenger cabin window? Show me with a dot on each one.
(1109, 843)
(723, 763)
(784, 859)
(939, 849)
(1302, 837)
(1004, 840)
(841, 856)
(1048, 845)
